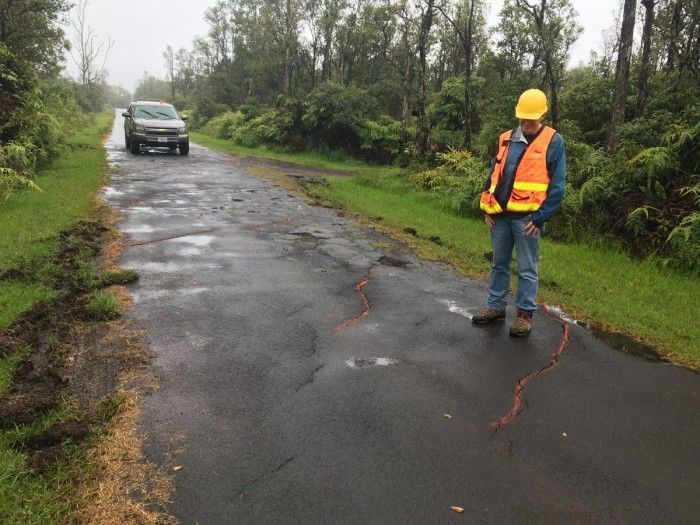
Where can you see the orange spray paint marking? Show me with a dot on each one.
(523, 381)
(365, 301)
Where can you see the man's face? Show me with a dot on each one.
(530, 127)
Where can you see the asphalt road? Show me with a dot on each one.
(306, 377)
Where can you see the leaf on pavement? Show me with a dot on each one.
(458, 510)
(448, 416)
(177, 467)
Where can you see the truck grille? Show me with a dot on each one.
(162, 132)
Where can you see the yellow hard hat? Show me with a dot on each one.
(532, 105)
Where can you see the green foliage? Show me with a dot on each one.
(586, 103)
(271, 128)
(460, 175)
(126, 276)
(336, 115)
(381, 139)
(223, 126)
(446, 114)
(101, 306)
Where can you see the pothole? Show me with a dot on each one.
(363, 362)
(391, 261)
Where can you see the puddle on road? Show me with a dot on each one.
(363, 362)
(111, 192)
(188, 251)
(142, 228)
(197, 240)
(169, 267)
(455, 308)
(617, 340)
(140, 296)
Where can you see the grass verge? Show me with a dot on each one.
(30, 222)
(31, 236)
(598, 284)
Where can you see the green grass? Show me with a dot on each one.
(310, 158)
(31, 221)
(29, 498)
(101, 306)
(30, 224)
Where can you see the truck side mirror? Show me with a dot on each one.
(125, 114)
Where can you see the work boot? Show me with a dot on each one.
(522, 324)
(488, 315)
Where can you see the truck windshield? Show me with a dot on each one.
(155, 111)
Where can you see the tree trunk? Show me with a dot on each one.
(423, 126)
(287, 46)
(405, 86)
(675, 31)
(622, 74)
(646, 52)
(468, 52)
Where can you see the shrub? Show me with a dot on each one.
(336, 116)
(272, 128)
(381, 139)
(460, 176)
(223, 126)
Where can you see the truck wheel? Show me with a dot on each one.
(184, 148)
(127, 142)
(135, 147)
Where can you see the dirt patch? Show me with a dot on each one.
(92, 370)
(57, 433)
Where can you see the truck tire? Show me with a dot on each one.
(127, 142)
(184, 148)
(135, 147)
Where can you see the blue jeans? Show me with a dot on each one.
(506, 233)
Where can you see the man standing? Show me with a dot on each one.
(524, 189)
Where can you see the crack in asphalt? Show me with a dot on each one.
(365, 301)
(522, 383)
(311, 377)
(282, 222)
(279, 467)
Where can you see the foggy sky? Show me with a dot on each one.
(141, 30)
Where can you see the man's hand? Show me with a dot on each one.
(531, 229)
(489, 221)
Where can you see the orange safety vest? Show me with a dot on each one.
(531, 175)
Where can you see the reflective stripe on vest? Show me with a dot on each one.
(531, 176)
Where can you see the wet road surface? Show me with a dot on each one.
(307, 376)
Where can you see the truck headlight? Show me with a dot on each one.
(138, 128)
(182, 130)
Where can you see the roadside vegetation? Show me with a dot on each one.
(61, 394)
